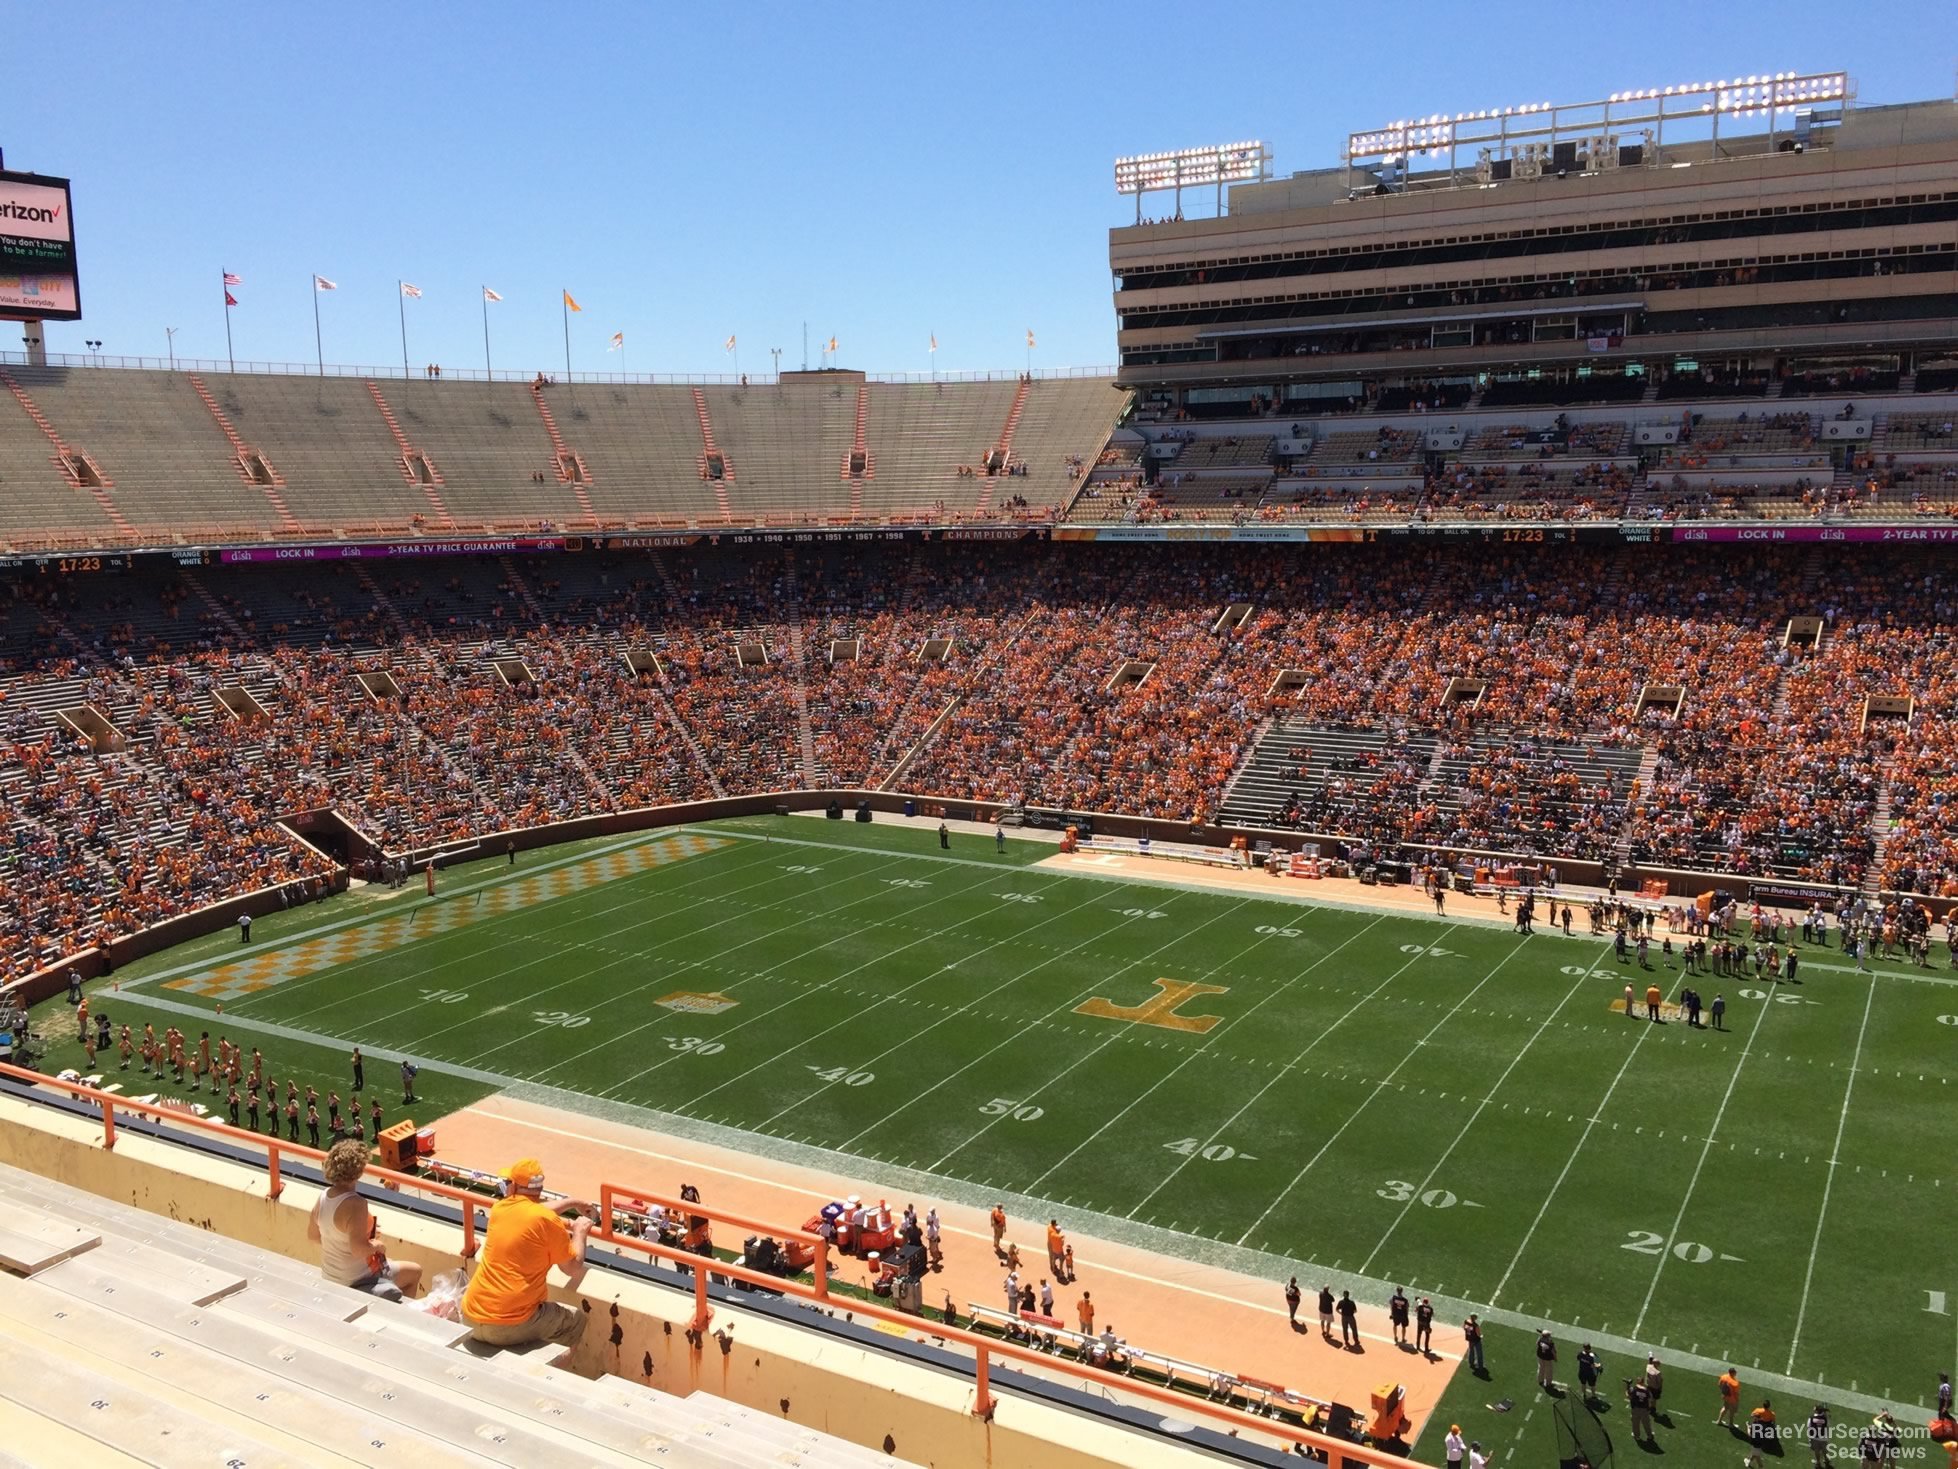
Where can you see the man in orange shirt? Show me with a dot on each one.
(506, 1303)
(1729, 1397)
(1056, 1244)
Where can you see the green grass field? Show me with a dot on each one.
(1380, 1099)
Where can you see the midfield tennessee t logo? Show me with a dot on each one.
(1162, 1009)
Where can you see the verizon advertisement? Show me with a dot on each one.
(37, 250)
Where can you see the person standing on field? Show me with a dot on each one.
(1292, 1298)
(1349, 1321)
(1729, 1397)
(1326, 1312)
(1589, 1370)
(1546, 1361)
(998, 1221)
(1424, 1325)
(360, 1070)
(1397, 1315)
(1472, 1336)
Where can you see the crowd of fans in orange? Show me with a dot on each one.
(436, 705)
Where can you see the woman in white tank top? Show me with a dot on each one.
(350, 1250)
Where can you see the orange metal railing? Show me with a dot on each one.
(274, 1149)
(984, 1348)
(613, 1197)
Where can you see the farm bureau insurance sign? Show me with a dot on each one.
(37, 249)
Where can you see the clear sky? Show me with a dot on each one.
(880, 172)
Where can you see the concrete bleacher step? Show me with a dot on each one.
(477, 1380)
(30, 1242)
(292, 1280)
(295, 1358)
(178, 1281)
(119, 1417)
(738, 1431)
(132, 1345)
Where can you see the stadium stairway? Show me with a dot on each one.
(1266, 783)
(134, 1338)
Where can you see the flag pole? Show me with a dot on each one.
(564, 310)
(230, 359)
(319, 352)
(401, 306)
(486, 352)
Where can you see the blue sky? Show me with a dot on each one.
(881, 172)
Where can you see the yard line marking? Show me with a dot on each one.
(1142, 1096)
(1828, 1181)
(577, 975)
(1692, 1183)
(660, 979)
(354, 920)
(1515, 1060)
(1597, 1113)
(1378, 1087)
(539, 934)
(1290, 1066)
(1100, 982)
(880, 958)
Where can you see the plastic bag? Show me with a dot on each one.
(444, 1298)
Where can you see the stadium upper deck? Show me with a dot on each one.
(1594, 266)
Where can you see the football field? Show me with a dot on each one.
(1272, 1085)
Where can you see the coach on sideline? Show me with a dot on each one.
(505, 1304)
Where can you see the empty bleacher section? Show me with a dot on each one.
(490, 445)
(169, 466)
(642, 444)
(44, 502)
(343, 470)
(785, 442)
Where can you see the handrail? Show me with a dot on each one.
(984, 1348)
(614, 1199)
(275, 1149)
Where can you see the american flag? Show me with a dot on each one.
(232, 280)
(413, 292)
(321, 283)
(489, 295)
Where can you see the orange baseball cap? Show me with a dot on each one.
(525, 1173)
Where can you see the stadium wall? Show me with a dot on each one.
(93, 963)
(875, 1398)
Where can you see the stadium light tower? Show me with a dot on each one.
(1226, 163)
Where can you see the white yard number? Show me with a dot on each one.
(1578, 971)
(842, 1074)
(1277, 933)
(560, 1017)
(1007, 1107)
(1934, 1303)
(1018, 897)
(907, 882)
(1689, 1252)
(801, 867)
(695, 1044)
(1778, 999)
(1139, 913)
(1430, 950)
(1948, 1020)
(445, 997)
(1400, 1191)
(1191, 1147)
